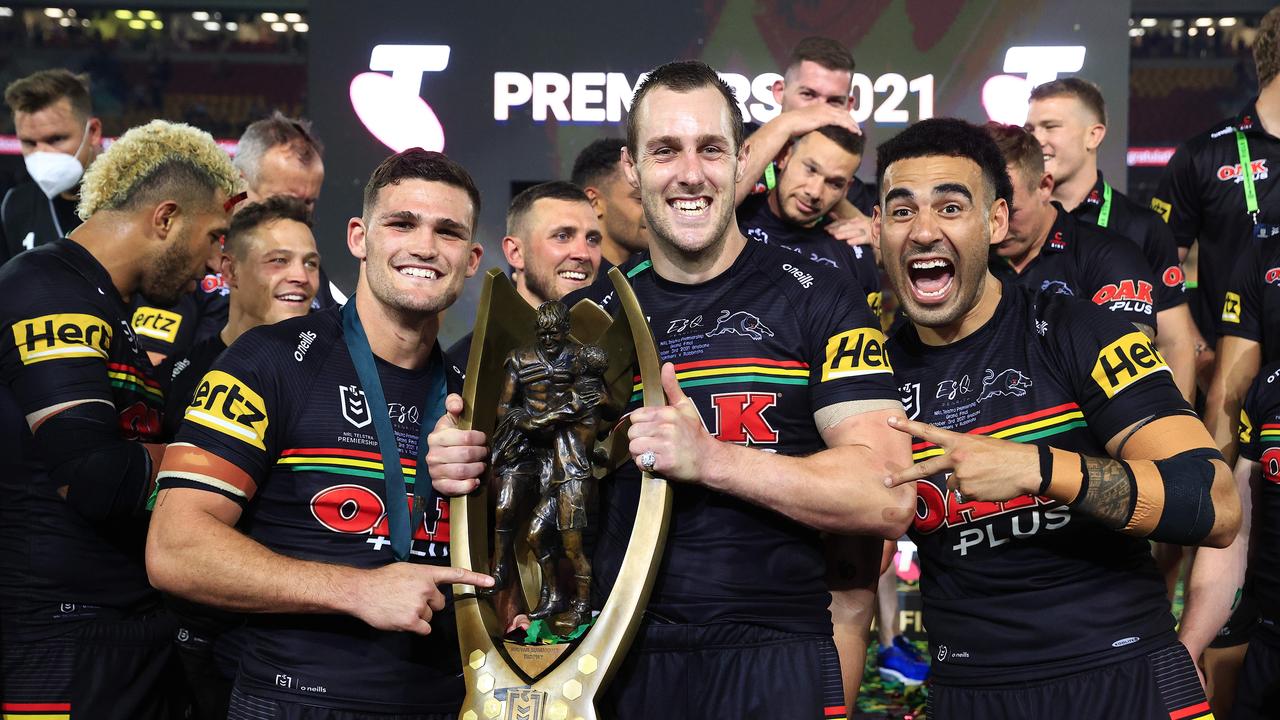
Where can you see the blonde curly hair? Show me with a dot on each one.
(154, 157)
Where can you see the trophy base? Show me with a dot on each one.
(533, 660)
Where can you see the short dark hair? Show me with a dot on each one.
(39, 90)
(419, 164)
(848, 140)
(1020, 149)
(276, 130)
(683, 77)
(252, 216)
(1089, 94)
(597, 162)
(824, 51)
(522, 203)
(949, 137)
(1266, 47)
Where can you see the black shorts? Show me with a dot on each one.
(1258, 687)
(246, 706)
(728, 670)
(1157, 686)
(208, 683)
(103, 669)
(1239, 626)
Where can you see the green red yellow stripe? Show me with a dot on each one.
(342, 461)
(722, 371)
(1199, 711)
(1270, 431)
(35, 711)
(1021, 428)
(130, 377)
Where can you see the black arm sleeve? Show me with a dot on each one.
(107, 478)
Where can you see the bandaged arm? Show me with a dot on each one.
(1166, 482)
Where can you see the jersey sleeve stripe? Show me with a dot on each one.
(191, 463)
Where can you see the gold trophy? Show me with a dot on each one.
(545, 386)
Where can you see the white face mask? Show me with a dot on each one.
(56, 172)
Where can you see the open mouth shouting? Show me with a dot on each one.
(930, 279)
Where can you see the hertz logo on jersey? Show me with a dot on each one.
(1231, 308)
(227, 405)
(62, 336)
(156, 323)
(1126, 361)
(855, 352)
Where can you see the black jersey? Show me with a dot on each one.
(1251, 304)
(1024, 589)
(757, 221)
(65, 337)
(284, 404)
(1085, 261)
(185, 374)
(1144, 227)
(1260, 442)
(1202, 198)
(28, 219)
(758, 349)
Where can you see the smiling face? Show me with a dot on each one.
(686, 168)
(1068, 134)
(813, 177)
(809, 83)
(278, 274)
(415, 245)
(557, 251)
(935, 226)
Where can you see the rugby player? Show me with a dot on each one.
(1046, 248)
(295, 430)
(83, 634)
(1052, 444)
(598, 171)
(59, 137)
(552, 244)
(1069, 119)
(813, 175)
(814, 91)
(739, 613)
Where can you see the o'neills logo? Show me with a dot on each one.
(805, 279)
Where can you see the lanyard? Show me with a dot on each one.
(397, 503)
(770, 176)
(1104, 215)
(1246, 176)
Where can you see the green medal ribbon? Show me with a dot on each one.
(1246, 176)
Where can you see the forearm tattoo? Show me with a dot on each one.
(1108, 496)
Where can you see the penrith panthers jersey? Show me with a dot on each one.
(1260, 442)
(758, 349)
(285, 406)
(1251, 306)
(1025, 589)
(64, 338)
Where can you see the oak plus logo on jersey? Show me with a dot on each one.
(356, 510)
(1173, 276)
(226, 404)
(1272, 276)
(740, 418)
(61, 336)
(1271, 465)
(1127, 295)
(993, 523)
(855, 352)
(1232, 172)
(156, 323)
(391, 106)
(1125, 362)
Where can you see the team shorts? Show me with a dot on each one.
(728, 670)
(104, 669)
(247, 706)
(1258, 687)
(1157, 686)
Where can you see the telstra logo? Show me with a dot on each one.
(390, 106)
(1005, 97)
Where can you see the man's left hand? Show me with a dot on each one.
(980, 467)
(674, 433)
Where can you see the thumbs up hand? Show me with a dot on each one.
(682, 448)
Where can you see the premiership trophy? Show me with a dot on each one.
(546, 386)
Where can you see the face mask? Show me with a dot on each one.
(56, 172)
